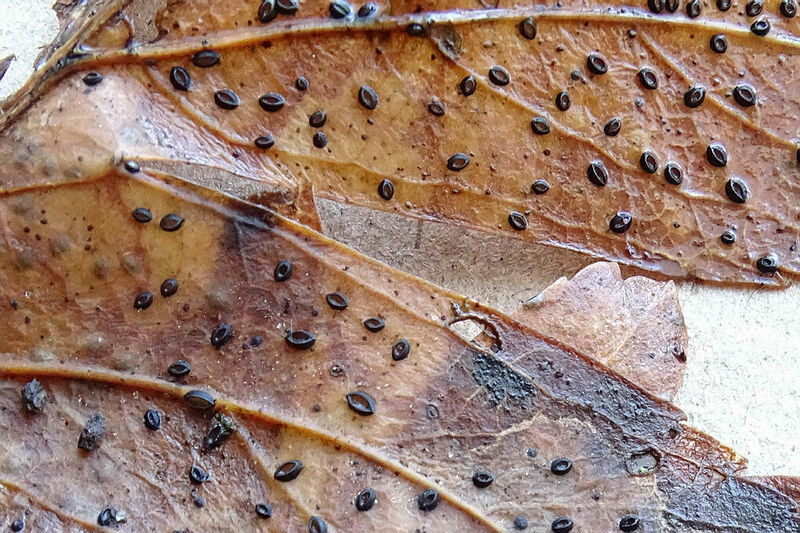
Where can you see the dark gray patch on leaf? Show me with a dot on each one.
(501, 382)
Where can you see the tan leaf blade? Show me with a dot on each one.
(443, 412)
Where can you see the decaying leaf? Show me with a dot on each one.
(719, 132)
(286, 361)
(633, 326)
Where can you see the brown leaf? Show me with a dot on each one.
(633, 326)
(73, 274)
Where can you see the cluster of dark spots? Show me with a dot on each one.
(339, 9)
(540, 126)
(540, 186)
(648, 162)
(718, 43)
(520, 523)
(92, 431)
(320, 140)
(205, 58)
(428, 500)
(788, 8)
(436, 108)
(288, 471)
(374, 324)
(482, 479)
(34, 396)
(318, 119)
(717, 155)
(317, 525)
(386, 189)
(648, 78)
(263, 510)
(561, 466)
(629, 522)
(179, 369)
(180, 78)
(169, 287)
(527, 28)
(220, 335)
(612, 127)
(400, 350)
(728, 237)
(199, 399)
(745, 95)
(143, 301)
(171, 222)
(132, 166)
(110, 516)
(767, 264)
(736, 190)
(499, 76)
(596, 64)
(657, 6)
(337, 301)
(222, 427)
(517, 221)
(367, 10)
(197, 475)
(597, 173)
(693, 8)
(300, 339)
(271, 102)
(365, 499)
(92, 78)
(265, 142)
(367, 97)
(563, 101)
(673, 173)
(694, 97)
(152, 419)
(562, 524)
(458, 161)
(283, 271)
(142, 214)
(468, 85)
(361, 403)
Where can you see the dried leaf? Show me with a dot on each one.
(633, 326)
(75, 278)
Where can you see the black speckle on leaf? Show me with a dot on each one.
(718, 43)
(271, 102)
(400, 350)
(694, 97)
(289, 470)
(693, 8)
(143, 301)
(597, 173)
(267, 11)
(337, 301)
(648, 162)
(263, 510)
(365, 499)
(301, 83)
(540, 126)
(458, 161)
(222, 427)
(527, 28)
(482, 479)
(596, 64)
(648, 78)
(92, 431)
(629, 522)
(367, 10)
(416, 29)
(180, 79)
(767, 264)
(152, 419)
(736, 190)
(283, 271)
(220, 335)
(428, 500)
(760, 27)
(205, 58)
(34, 396)
(436, 108)
(520, 523)
(673, 173)
(563, 101)
(317, 525)
(499, 76)
(788, 8)
(179, 369)
(197, 475)
(171, 222)
(717, 155)
(612, 127)
(318, 119)
(265, 142)
(198, 399)
(562, 524)
(339, 9)
(92, 78)
(468, 85)
(753, 8)
(374, 324)
(367, 97)
(517, 221)
(320, 140)
(132, 166)
(386, 189)
(540, 186)
(287, 7)
(728, 237)
(300, 339)
(745, 95)
(142, 214)
(561, 466)
(723, 5)
(361, 402)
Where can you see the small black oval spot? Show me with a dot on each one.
(205, 58)
(267, 11)
(92, 78)
(198, 399)
(540, 126)
(179, 369)
(289, 471)
(718, 43)
(694, 97)
(728, 237)
(468, 85)
(318, 119)
(693, 8)
(317, 525)
(612, 127)
(745, 95)
(283, 271)
(386, 189)
(517, 221)
(527, 28)
(648, 78)
(339, 9)
(563, 101)
(180, 79)
(169, 287)
(436, 108)
(629, 522)
(263, 510)
(736, 189)
(415, 29)
(18, 525)
(197, 475)
(520, 523)
(367, 97)
(597, 173)
(717, 155)
(142, 214)
(171, 222)
(337, 301)
(287, 7)
(320, 140)
(361, 402)
(365, 499)
(760, 27)
(482, 479)
(753, 8)
(621, 222)
(458, 161)
(656, 6)
(143, 301)
(673, 173)
(648, 162)
(220, 335)
(561, 466)
(132, 166)
(374, 324)
(562, 524)
(723, 5)
(428, 500)
(540, 186)
(265, 142)
(499, 76)
(271, 102)
(767, 264)
(152, 419)
(367, 10)
(400, 350)
(300, 339)
(596, 64)
(788, 8)
(301, 83)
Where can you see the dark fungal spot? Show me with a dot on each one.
(197, 475)
(416, 29)
(753, 8)
(540, 126)
(142, 214)
(562, 524)
(694, 96)
(171, 222)
(132, 166)
(612, 127)
(257, 340)
(339, 9)
(92, 431)
(367, 10)
(499, 76)
(367, 97)
(760, 27)
(520, 523)
(648, 162)
(301, 83)
(317, 525)
(152, 419)
(287, 7)
(428, 500)
(527, 28)
(728, 237)
(18, 525)
(621, 222)
(517, 221)
(110, 516)
(767, 264)
(563, 101)
(92, 78)
(656, 6)
(693, 8)
(597, 173)
(143, 301)
(400, 350)
(271, 102)
(540, 186)
(561, 466)
(267, 11)
(33, 396)
(179, 369)
(320, 140)
(431, 412)
(736, 189)
(468, 85)
(717, 155)
(205, 58)
(318, 119)
(718, 43)
(723, 5)
(647, 78)
(673, 173)
(596, 64)
(337, 301)
(265, 142)
(222, 427)
(436, 108)
(289, 471)
(199, 399)
(300, 339)
(788, 8)
(361, 402)
(629, 522)
(671, 5)
(365, 499)
(180, 79)
(745, 95)
(374, 324)
(263, 510)
(283, 271)
(386, 189)
(458, 161)
(482, 479)
(199, 502)
(220, 335)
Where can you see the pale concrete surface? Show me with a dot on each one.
(742, 382)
